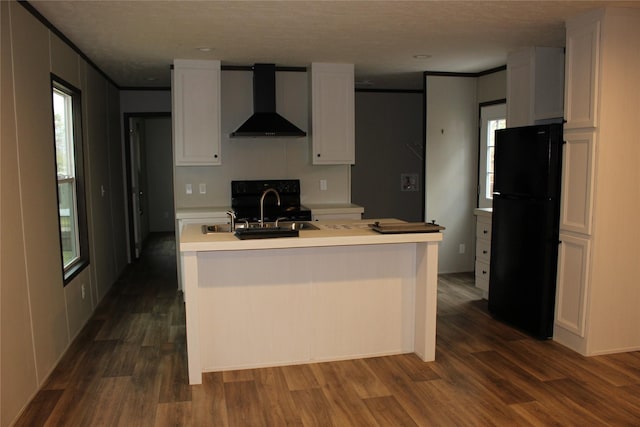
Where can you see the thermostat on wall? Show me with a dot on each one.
(409, 182)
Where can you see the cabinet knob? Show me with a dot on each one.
(484, 272)
(484, 251)
(318, 155)
(215, 156)
(485, 231)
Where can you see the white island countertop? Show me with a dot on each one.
(330, 233)
(343, 291)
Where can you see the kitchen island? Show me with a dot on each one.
(340, 292)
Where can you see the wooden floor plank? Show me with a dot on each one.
(110, 395)
(415, 397)
(208, 401)
(243, 404)
(629, 394)
(345, 406)
(123, 360)
(237, 375)
(81, 393)
(128, 367)
(606, 408)
(536, 414)
(313, 407)
(360, 378)
(274, 394)
(415, 368)
(619, 369)
(72, 360)
(141, 403)
(39, 409)
(534, 358)
(300, 377)
(172, 414)
(388, 412)
(174, 385)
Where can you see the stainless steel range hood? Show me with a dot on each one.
(265, 121)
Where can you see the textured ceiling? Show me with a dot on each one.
(134, 42)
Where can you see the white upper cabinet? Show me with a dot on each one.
(332, 114)
(535, 86)
(196, 112)
(581, 85)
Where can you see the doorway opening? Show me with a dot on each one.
(149, 164)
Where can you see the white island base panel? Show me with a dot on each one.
(273, 307)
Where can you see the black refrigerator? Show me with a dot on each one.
(525, 227)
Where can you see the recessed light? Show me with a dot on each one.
(422, 56)
(204, 49)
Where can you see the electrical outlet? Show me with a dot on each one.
(189, 189)
(203, 188)
(323, 185)
(82, 291)
(462, 248)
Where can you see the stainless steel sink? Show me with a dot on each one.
(216, 228)
(282, 226)
(264, 233)
(298, 225)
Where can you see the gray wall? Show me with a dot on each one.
(39, 316)
(159, 158)
(389, 143)
(492, 87)
(451, 162)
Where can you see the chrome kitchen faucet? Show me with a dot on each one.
(264, 194)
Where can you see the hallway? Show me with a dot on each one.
(128, 368)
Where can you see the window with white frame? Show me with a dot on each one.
(492, 118)
(68, 149)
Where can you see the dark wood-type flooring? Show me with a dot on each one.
(128, 368)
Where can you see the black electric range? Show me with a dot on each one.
(245, 200)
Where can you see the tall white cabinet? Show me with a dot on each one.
(196, 112)
(598, 289)
(332, 114)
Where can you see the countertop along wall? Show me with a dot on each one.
(262, 158)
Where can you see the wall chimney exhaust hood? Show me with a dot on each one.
(265, 121)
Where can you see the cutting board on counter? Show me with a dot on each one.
(405, 227)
